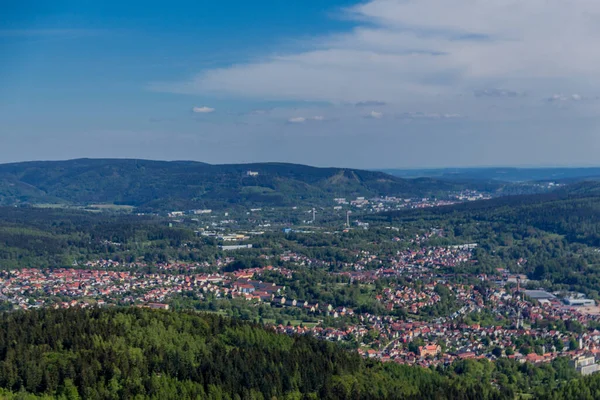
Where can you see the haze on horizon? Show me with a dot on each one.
(364, 84)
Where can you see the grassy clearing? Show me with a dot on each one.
(115, 207)
(51, 205)
(294, 322)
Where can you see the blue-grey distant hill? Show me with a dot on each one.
(503, 174)
(161, 185)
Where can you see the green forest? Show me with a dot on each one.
(139, 353)
(56, 238)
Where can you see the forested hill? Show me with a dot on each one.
(127, 353)
(572, 211)
(161, 185)
(136, 353)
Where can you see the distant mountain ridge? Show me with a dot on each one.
(161, 185)
(503, 174)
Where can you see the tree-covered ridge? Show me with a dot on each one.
(55, 237)
(573, 211)
(137, 353)
(187, 185)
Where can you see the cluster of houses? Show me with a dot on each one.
(166, 266)
(409, 298)
(446, 339)
(34, 288)
(388, 203)
(426, 342)
(445, 342)
(433, 257)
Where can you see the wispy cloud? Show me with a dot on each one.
(559, 97)
(428, 116)
(203, 110)
(426, 52)
(497, 93)
(370, 103)
(300, 120)
(259, 111)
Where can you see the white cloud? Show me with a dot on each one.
(297, 120)
(559, 97)
(425, 54)
(375, 115)
(428, 116)
(300, 120)
(203, 110)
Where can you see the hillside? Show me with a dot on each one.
(572, 211)
(135, 353)
(160, 185)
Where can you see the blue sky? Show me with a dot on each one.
(371, 84)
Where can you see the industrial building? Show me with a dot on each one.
(586, 365)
